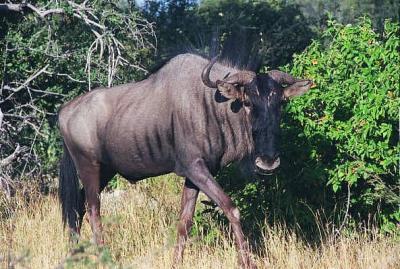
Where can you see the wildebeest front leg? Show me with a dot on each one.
(188, 204)
(202, 178)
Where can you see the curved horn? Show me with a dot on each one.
(205, 75)
(241, 78)
(282, 77)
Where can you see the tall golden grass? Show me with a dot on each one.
(139, 225)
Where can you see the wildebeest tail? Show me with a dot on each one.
(69, 191)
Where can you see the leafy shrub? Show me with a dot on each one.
(350, 119)
(340, 150)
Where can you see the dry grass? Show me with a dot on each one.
(140, 233)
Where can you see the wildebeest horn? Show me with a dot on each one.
(205, 75)
(241, 78)
(282, 77)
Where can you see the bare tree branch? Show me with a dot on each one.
(5, 8)
(1, 118)
(8, 160)
(28, 80)
(347, 211)
(65, 75)
(104, 38)
(44, 13)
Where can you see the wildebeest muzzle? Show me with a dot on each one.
(266, 165)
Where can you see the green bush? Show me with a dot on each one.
(340, 151)
(349, 121)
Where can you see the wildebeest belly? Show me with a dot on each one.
(135, 165)
(139, 146)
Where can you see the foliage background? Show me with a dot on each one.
(340, 142)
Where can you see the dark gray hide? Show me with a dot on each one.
(171, 122)
(159, 125)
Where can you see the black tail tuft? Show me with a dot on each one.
(69, 192)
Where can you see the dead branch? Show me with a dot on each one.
(8, 160)
(1, 118)
(64, 75)
(347, 211)
(28, 80)
(44, 13)
(24, 7)
(20, 117)
(105, 39)
(5, 8)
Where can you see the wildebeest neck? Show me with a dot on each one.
(237, 130)
(225, 124)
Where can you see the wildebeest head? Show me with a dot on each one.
(262, 97)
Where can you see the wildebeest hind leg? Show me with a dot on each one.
(106, 174)
(89, 174)
(188, 204)
(202, 178)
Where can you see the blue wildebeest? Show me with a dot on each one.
(192, 117)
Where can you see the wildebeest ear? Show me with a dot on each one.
(297, 88)
(230, 90)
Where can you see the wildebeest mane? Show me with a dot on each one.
(237, 52)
